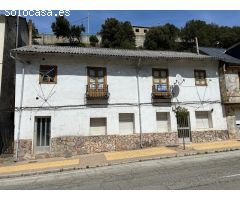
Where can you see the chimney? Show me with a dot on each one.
(197, 47)
(30, 32)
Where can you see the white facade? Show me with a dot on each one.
(70, 116)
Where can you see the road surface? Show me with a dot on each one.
(209, 171)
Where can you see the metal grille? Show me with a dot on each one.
(43, 125)
(184, 130)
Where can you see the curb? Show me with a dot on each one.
(119, 162)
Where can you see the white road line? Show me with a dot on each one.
(233, 175)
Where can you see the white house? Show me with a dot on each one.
(74, 100)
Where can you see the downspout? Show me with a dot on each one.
(139, 103)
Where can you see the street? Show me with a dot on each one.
(208, 171)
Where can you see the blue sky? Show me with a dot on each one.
(142, 18)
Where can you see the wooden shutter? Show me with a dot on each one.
(126, 123)
(98, 126)
(162, 121)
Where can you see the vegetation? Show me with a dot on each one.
(62, 28)
(181, 112)
(93, 40)
(162, 38)
(212, 35)
(116, 34)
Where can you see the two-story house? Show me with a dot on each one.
(75, 100)
(229, 76)
(13, 33)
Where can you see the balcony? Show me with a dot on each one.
(97, 92)
(161, 91)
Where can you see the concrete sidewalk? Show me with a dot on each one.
(110, 158)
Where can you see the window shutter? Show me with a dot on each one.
(202, 120)
(126, 123)
(98, 126)
(162, 122)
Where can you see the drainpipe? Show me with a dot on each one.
(139, 105)
(20, 113)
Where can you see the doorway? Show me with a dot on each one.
(184, 129)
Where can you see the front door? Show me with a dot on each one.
(184, 130)
(42, 134)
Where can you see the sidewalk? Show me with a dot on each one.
(110, 158)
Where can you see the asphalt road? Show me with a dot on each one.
(210, 171)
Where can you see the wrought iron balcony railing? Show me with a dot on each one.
(161, 91)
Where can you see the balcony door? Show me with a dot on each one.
(96, 78)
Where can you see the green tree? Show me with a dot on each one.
(207, 34)
(116, 34)
(162, 38)
(211, 35)
(75, 33)
(62, 28)
(93, 40)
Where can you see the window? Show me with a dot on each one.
(137, 30)
(237, 118)
(43, 131)
(160, 80)
(145, 31)
(96, 77)
(126, 123)
(163, 121)
(200, 77)
(98, 126)
(203, 119)
(48, 74)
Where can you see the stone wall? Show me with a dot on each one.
(24, 149)
(68, 146)
(78, 145)
(208, 136)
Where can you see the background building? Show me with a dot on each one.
(12, 34)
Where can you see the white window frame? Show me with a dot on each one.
(133, 118)
(168, 122)
(210, 122)
(92, 118)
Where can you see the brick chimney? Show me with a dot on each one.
(30, 32)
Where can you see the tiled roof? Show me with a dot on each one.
(40, 49)
(220, 54)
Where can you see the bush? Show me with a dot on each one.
(93, 40)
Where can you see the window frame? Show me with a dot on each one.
(97, 69)
(204, 74)
(91, 119)
(133, 121)
(209, 117)
(169, 128)
(41, 81)
(159, 70)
